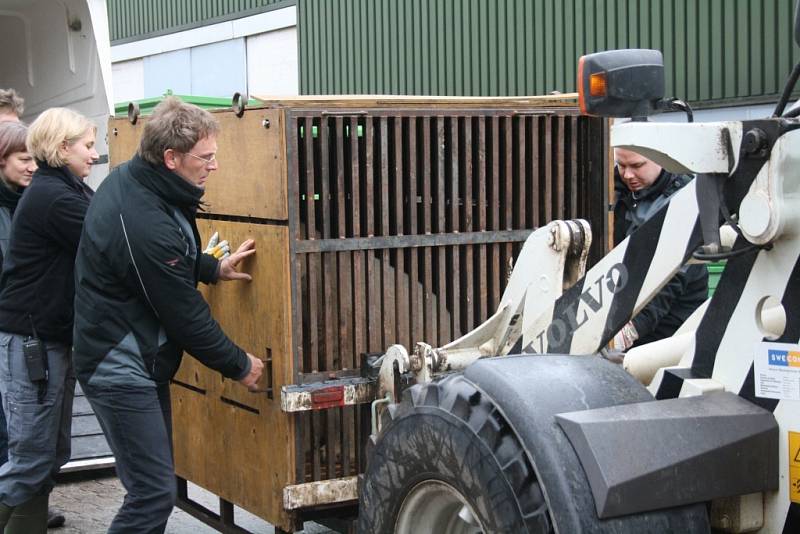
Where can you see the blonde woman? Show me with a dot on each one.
(36, 315)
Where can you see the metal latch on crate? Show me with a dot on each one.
(328, 394)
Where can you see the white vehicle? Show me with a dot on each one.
(56, 53)
(522, 426)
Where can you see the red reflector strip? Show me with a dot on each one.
(327, 397)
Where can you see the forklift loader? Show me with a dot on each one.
(552, 437)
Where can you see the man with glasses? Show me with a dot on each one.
(137, 307)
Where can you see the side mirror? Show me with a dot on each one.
(621, 83)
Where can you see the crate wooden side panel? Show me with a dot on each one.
(251, 178)
(123, 140)
(235, 443)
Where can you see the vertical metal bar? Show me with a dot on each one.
(328, 275)
(481, 282)
(316, 449)
(548, 169)
(347, 429)
(494, 205)
(573, 166)
(372, 256)
(401, 280)
(443, 320)
(507, 210)
(456, 154)
(535, 181)
(343, 268)
(387, 279)
(414, 290)
(429, 309)
(521, 177)
(328, 294)
(313, 259)
(359, 316)
(468, 268)
(558, 140)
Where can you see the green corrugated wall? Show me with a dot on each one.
(714, 50)
(131, 20)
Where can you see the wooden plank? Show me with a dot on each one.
(388, 312)
(429, 327)
(574, 176)
(508, 255)
(494, 204)
(455, 210)
(358, 284)
(249, 425)
(561, 192)
(329, 360)
(374, 297)
(535, 176)
(123, 140)
(443, 317)
(415, 312)
(521, 180)
(381, 101)
(401, 280)
(467, 266)
(548, 170)
(254, 159)
(347, 354)
(481, 283)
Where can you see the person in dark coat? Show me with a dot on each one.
(16, 169)
(642, 189)
(36, 315)
(137, 307)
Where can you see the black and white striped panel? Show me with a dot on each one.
(725, 347)
(588, 315)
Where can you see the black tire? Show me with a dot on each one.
(447, 431)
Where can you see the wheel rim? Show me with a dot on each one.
(435, 506)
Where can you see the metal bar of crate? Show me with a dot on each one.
(403, 225)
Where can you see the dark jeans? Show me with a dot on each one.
(137, 423)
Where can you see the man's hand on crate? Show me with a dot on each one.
(251, 380)
(227, 267)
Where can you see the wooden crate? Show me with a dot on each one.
(377, 220)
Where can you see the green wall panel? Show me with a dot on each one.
(714, 50)
(131, 20)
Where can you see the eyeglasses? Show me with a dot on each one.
(207, 161)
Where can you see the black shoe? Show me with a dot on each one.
(55, 518)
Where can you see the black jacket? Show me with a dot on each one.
(8, 203)
(38, 269)
(688, 289)
(136, 302)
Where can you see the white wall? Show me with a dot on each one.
(128, 80)
(257, 55)
(272, 65)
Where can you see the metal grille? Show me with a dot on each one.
(404, 227)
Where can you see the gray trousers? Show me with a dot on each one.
(38, 432)
(137, 422)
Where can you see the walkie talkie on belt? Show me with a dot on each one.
(36, 361)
